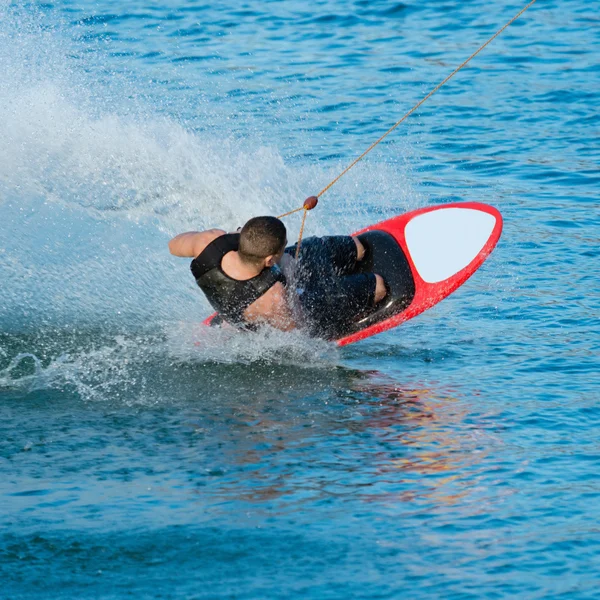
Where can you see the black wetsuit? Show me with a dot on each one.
(230, 297)
(330, 292)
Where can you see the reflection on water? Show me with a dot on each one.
(355, 435)
(264, 437)
(430, 428)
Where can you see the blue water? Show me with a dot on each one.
(454, 457)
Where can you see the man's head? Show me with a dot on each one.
(262, 241)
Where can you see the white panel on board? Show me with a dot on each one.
(443, 242)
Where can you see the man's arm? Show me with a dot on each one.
(192, 243)
(272, 308)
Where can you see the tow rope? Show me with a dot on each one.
(312, 201)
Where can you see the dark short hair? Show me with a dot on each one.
(261, 237)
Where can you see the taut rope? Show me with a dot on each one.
(311, 202)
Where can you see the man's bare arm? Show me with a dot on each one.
(272, 308)
(192, 243)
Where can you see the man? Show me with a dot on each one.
(241, 276)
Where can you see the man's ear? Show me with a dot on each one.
(270, 261)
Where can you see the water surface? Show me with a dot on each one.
(453, 457)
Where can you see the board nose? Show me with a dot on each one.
(443, 242)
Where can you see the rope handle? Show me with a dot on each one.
(309, 204)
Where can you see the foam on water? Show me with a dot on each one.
(93, 183)
(138, 369)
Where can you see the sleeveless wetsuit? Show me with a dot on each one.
(230, 297)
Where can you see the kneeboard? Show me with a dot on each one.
(423, 255)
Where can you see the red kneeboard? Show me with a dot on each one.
(423, 255)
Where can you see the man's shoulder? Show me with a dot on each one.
(191, 243)
(214, 233)
(205, 238)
